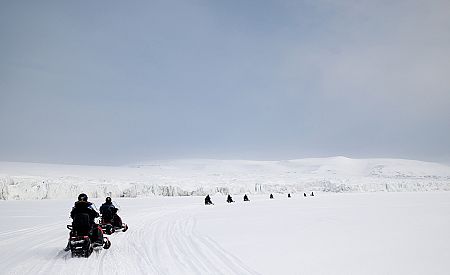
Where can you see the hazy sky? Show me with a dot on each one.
(112, 82)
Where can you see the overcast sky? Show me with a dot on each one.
(115, 82)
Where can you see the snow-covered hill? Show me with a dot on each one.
(200, 177)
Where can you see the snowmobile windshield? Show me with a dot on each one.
(94, 207)
(116, 205)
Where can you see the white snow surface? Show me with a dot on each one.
(203, 176)
(330, 233)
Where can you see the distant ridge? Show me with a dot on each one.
(208, 176)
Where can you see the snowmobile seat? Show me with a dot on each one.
(81, 224)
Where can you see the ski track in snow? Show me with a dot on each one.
(157, 242)
(379, 233)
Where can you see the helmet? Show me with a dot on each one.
(108, 199)
(82, 197)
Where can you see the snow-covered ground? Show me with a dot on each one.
(201, 177)
(344, 233)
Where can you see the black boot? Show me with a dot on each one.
(67, 248)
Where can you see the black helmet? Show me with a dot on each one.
(108, 199)
(82, 197)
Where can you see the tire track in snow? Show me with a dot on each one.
(23, 245)
(15, 235)
(227, 257)
(164, 241)
(178, 248)
(234, 264)
(189, 246)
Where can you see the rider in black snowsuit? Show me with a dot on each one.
(246, 198)
(83, 226)
(208, 200)
(109, 213)
(230, 199)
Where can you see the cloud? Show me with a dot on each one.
(382, 51)
(273, 78)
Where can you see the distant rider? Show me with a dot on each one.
(208, 200)
(229, 199)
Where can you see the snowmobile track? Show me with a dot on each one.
(161, 241)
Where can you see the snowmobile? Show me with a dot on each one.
(230, 199)
(246, 198)
(111, 226)
(208, 200)
(110, 221)
(80, 238)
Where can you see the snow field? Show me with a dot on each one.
(373, 233)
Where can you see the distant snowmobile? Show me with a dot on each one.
(271, 196)
(230, 199)
(246, 198)
(208, 200)
(110, 221)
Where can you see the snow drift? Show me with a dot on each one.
(201, 177)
